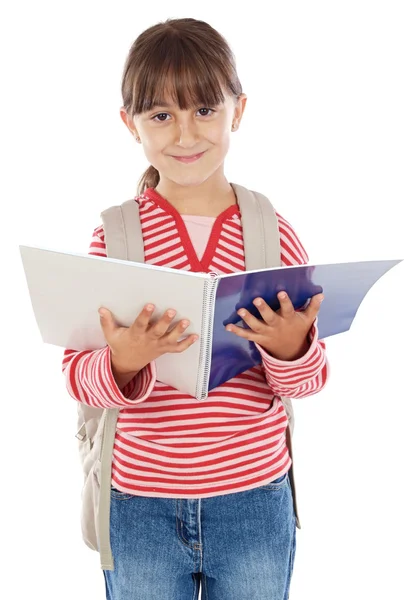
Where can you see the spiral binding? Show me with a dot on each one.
(210, 286)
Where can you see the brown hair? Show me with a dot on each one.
(186, 58)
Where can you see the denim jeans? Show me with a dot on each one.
(241, 545)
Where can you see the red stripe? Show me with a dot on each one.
(164, 232)
(153, 255)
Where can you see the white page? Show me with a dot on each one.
(67, 290)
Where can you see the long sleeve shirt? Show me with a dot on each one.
(168, 444)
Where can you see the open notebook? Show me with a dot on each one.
(67, 290)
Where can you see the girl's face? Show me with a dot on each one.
(168, 133)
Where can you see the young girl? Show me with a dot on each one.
(200, 490)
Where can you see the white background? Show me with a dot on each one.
(326, 135)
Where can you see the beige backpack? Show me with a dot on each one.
(97, 427)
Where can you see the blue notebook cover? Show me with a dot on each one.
(344, 286)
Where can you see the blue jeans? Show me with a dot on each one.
(241, 546)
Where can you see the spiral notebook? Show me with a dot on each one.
(67, 289)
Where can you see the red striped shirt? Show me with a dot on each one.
(168, 444)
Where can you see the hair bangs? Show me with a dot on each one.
(183, 76)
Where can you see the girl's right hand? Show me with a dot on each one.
(134, 347)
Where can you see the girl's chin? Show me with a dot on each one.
(189, 179)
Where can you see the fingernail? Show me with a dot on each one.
(150, 307)
(241, 313)
(321, 298)
(171, 313)
(282, 295)
(101, 312)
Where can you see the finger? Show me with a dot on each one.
(158, 329)
(107, 323)
(255, 324)
(286, 306)
(186, 343)
(269, 316)
(141, 322)
(313, 308)
(177, 331)
(233, 318)
(247, 334)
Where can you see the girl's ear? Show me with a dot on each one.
(240, 107)
(128, 121)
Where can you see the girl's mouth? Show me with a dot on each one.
(189, 159)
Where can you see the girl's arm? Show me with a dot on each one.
(90, 377)
(308, 374)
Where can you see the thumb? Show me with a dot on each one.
(313, 308)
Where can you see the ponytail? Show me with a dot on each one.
(149, 179)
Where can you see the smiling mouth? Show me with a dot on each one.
(189, 159)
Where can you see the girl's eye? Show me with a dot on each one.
(206, 109)
(159, 117)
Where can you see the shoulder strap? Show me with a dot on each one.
(260, 229)
(122, 231)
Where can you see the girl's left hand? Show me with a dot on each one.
(282, 333)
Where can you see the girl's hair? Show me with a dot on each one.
(185, 59)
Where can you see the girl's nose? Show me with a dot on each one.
(187, 135)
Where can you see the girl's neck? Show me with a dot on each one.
(208, 200)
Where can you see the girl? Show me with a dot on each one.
(200, 491)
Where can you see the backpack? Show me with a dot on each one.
(97, 426)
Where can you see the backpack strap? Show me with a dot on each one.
(122, 230)
(260, 229)
(103, 514)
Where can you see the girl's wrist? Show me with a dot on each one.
(292, 354)
(122, 370)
